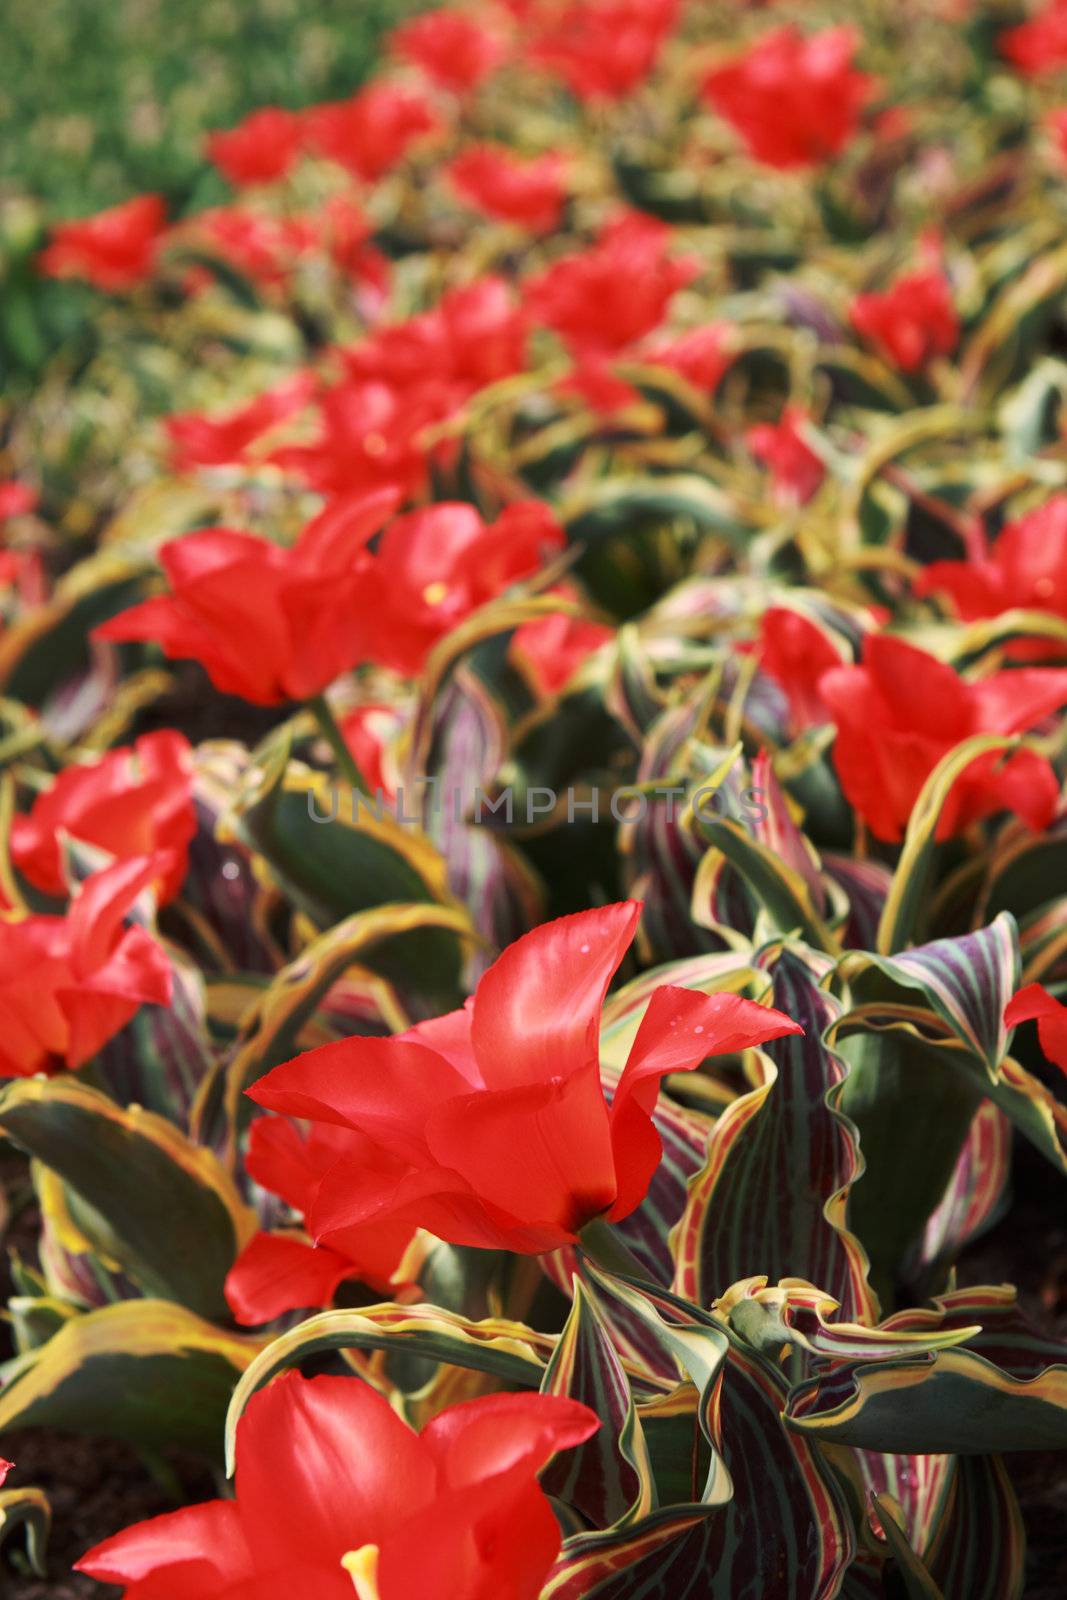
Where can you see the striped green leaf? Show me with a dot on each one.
(781, 1161)
(608, 1479)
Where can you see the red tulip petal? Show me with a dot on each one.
(385, 1088)
(477, 1438)
(204, 1545)
(276, 1273)
(1035, 1004)
(536, 1012)
(679, 1029)
(324, 1466)
(541, 1151)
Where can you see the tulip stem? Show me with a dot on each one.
(330, 731)
(606, 1248)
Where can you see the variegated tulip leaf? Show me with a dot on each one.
(797, 1314)
(913, 1106)
(958, 1402)
(336, 854)
(901, 913)
(608, 1479)
(182, 1245)
(147, 1371)
(781, 1161)
(779, 1526)
(967, 981)
(27, 1510)
(507, 1350)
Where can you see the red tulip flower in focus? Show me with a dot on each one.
(911, 322)
(453, 50)
(1026, 570)
(67, 984)
(260, 149)
(278, 1272)
(528, 193)
(268, 624)
(199, 440)
(603, 299)
(1040, 45)
(1035, 1004)
(603, 49)
(371, 133)
(489, 1126)
(338, 1499)
(901, 710)
(793, 100)
(133, 801)
(435, 566)
(796, 471)
(114, 250)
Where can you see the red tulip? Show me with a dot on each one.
(369, 438)
(701, 356)
(133, 801)
(603, 299)
(1026, 570)
(910, 323)
(267, 623)
(1035, 1004)
(371, 732)
(900, 711)
(200, 440)
(500, 184)
(402, 380)
(453, 50)
(338, 1499)
(265, 249)
(551, 649)
(371, 133)
(474, 336)
(796, 471)
(260, 149)
(67, 984)
(436, 566)
(796, 654)
(1040, 45)
(16, 499)
(280, 1272)
(489, 1126)
(114, 249)
(793, 100)
(603, 49)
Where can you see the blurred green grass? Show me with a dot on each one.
(102, 99)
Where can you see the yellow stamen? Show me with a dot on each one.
(362, 1567)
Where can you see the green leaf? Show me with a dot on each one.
(30, 1510)
(781, 1162)
(359, 861)
(608, 1479)
(507, 1350)
(147, 1371)
(907, 895)
(146, 1197)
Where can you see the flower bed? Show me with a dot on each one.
(533, 823)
